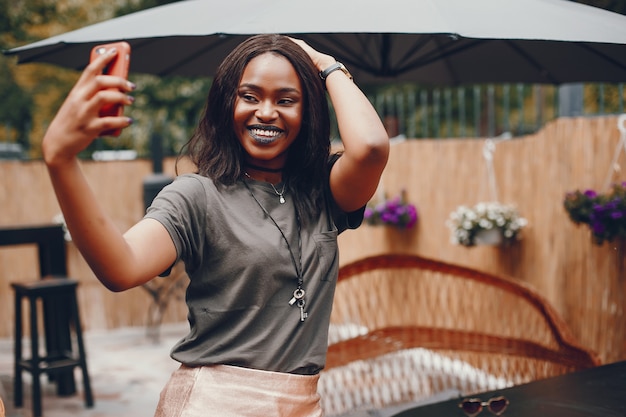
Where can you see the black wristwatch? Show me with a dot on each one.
(336, 66)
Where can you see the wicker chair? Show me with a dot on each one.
(405, 328)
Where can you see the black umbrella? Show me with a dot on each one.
(444, 42)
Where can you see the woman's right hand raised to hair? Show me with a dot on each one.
(78, 123)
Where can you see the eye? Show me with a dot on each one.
(291, 98)
(249, 97)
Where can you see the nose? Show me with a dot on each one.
(266, 111)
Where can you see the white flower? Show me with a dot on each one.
(465, 222)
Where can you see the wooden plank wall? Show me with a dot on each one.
(585, 283)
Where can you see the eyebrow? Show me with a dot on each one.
(280, 90)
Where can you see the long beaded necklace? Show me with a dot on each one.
(298, 294)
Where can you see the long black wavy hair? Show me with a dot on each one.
(215, 149)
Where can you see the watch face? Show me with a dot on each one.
(345, 70)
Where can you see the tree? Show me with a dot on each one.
(32, 93)
(16, 108)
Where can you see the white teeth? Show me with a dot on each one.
(263, 132)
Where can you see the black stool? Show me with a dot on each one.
(59, 294)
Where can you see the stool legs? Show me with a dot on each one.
(34, 343)
(18, 392)
(54, 361)
(81, 352)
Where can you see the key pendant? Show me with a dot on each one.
(303, 314)
(298, 294)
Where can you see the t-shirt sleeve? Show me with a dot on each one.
(343, 220)
(181, 208)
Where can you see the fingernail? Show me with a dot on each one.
(131, 99)
(112, 51)
(132, 86)
(130, 120)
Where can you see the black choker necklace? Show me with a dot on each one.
(258, 168)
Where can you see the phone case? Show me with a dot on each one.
(118, 67)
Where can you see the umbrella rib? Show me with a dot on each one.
(359, 57)
(353, 57)
(603, 56)
(413, 51)
(41, 57)
(543, 71)
(189, 58)
(440, 54)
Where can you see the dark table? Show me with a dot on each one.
(596, 392)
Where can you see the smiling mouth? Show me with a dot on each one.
(265, 134)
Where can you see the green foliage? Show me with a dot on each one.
(131, 7)
(19, 19)
(169, 107)
(15, 107)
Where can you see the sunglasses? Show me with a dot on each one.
(473, 406)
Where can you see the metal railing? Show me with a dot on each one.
(490, 110)
(478, 111)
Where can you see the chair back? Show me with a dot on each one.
(405, 328)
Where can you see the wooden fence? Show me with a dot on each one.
(586, 283)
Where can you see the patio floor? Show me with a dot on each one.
(127, 371)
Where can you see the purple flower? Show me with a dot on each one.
(598, 209)
(388, 217)
(598, 227)
(394, 212)
(604, 213)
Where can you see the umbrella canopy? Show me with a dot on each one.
(438, 42)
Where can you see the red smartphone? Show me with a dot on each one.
(119, 67)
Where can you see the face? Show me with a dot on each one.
(268, 109)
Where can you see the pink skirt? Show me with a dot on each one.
(231, 391)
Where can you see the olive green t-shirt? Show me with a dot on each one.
(242, 275)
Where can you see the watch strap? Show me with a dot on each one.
(336, 66)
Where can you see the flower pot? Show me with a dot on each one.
(488, 237)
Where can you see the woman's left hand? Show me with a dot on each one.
(321, 61)
(355, 176)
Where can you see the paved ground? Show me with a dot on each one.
(127, 371)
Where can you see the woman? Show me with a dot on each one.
(256, 226)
